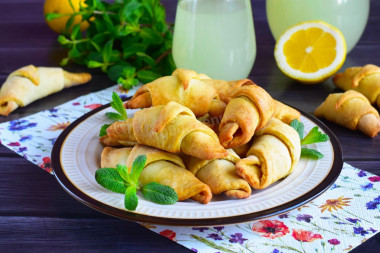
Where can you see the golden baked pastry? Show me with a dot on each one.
(196, 91)
(350, 109)
(285, 113)
(274, 153)
(161, 167)
(365, 80)
(250, 109)
(220, 175)
(171, 127)
(31, 83)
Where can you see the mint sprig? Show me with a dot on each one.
(129, 40)
(314, 136)
(103, 130)
(117, 105)
(121, 181)
(120, 114)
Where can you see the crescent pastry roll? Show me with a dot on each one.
(249, 110)
(171, 127)
(365, 80)
(31, 83)
(274, 154)
(285, 113)
(195, 91)
(220, 175)
(161, 167)
(350, 109)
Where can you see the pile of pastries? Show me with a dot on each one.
(204, 137)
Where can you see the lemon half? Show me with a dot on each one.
(310, 52)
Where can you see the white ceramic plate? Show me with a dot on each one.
(76, 157)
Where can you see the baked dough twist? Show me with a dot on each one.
(352, 110)
(275, 152)
(365, 80)
(160, 167)
(250, 109)
(284, 112)
(171, 127)
(196, 91)
(220, 175)
(31, 83)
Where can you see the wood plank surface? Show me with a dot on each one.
(37, 215)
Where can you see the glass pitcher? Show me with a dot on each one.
(350, 16)
(215, 37)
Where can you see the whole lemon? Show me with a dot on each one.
(63, 7)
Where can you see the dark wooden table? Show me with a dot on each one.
(37, 215)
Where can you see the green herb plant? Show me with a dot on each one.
(314, 136)
(120, 114)
(121, 181)
(127, 39)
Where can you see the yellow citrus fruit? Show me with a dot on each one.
(310, 52)
(63, 7)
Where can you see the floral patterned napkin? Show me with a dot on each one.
(339, 220)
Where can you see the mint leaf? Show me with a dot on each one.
(311, 153)
(103, 130)
(123, 172)
(137, 167)
(114, 116)
(130, 200)
(110, 179)
(52, 16)
(122, 32)
(298, 126)
(160, 194)
(314, 136)
(117, 104)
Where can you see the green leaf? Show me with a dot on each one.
(103, 130)
(147, 76)
(127, 83)
(151, 36)
(123, 172)
(314, 136)
(95, 45)
(76, 31)
(137, 167)
(62, 40)
(107, 51)
(114, 116)
(132, 49)
(130, 200)
(52, 16)
(117, 104)
(74, 53)
(64, 61)
(116, 71)
(94, 64)
(147, 59)
(311, 153)
(298, 126)
(160, 194)
(110, 179)
(129, 10)
(69, 23)
(122, 32)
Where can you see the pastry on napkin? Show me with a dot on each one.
(31, 83)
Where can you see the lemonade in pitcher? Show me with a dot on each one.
(350, 16)
(215, 37)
